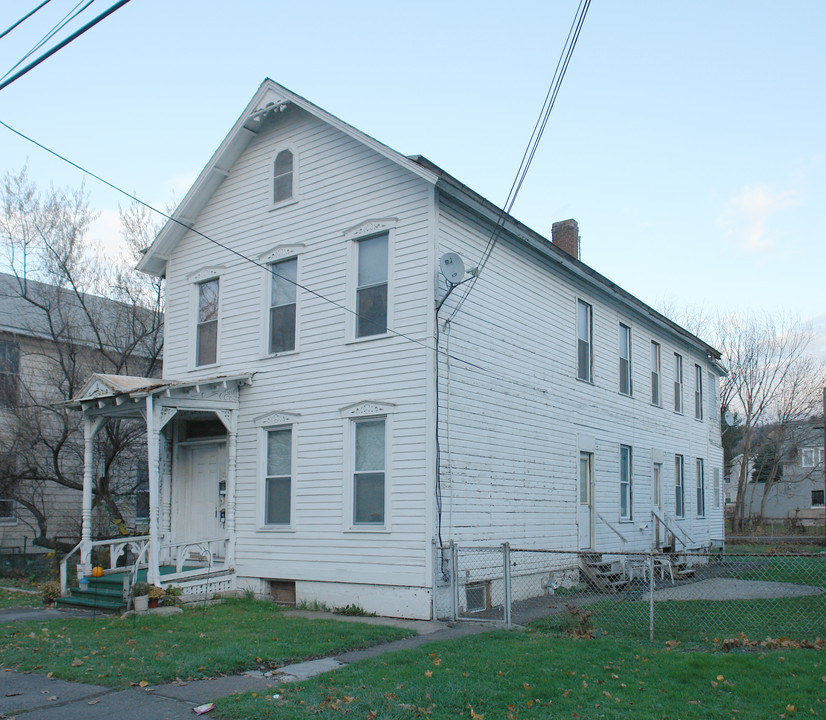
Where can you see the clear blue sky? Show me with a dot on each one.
(687, 140)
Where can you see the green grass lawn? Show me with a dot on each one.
(231, 637)
(10, 598)
(532, 675)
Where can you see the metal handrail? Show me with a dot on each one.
(616, 532)
(676, 531)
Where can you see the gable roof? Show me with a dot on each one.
(67, 313)
(270, 97)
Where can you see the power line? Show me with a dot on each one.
(23, 19)
(64, 43)
(59, 25)
(533, 144)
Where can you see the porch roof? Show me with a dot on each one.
(123, 394)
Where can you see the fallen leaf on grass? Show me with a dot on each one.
(428, 673)
(143, 683)
(77, 662)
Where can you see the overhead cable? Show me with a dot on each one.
(23, 19)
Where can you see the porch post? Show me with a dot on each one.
(232, 453)
(89, 433)
(153, 455)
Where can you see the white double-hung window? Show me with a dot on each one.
(626, 481)
(624, 359)
(585, 336)
(371, 285)
(369, 471)
(656, 384)
(679, 501)
(701, 488)
(206, 341)
(278, 477)
(698, 392)
(678, 383)
(282, 318)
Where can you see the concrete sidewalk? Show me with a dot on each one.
(35, 697)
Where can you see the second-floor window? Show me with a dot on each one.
(811, 456)
(585, 335)
(698, 392)
(624, 359)
(655, 374)
(282, 305)
(371, 286)
(9, 372)
(206, 342)
(678, 383)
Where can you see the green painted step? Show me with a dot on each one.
(99, 603)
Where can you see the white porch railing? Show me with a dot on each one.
(117, 547)
(616, 532)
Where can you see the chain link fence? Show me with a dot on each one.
(716, 596)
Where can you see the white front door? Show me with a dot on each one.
(586, 501)
(200, 492)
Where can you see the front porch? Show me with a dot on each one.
(191, 430)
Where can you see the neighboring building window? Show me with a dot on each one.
(142, 491)
(701, 488)
(811, 456)
(585, 334)
(207, 328)
(9, 372)
(679, 504)
(283, 177)
(817, 498)
(655, 373)
(624, 359)
(278, 479)
(369, 472)
(371, 289)
(698, 392)
(8, 512)
(626, 498)
(678, 383)
(284, 275)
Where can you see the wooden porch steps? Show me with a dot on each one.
(602, 575)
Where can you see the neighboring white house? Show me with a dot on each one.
(328, 416)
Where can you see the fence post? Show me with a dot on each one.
(506, 559)
(651, 595)
(454, 578)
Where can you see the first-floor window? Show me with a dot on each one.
(701, 488)
(369, 472)
(817, 498)
(278, 480)
(625, 483)
(142, 491)
(679, 505)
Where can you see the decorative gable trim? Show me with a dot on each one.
(365, 408)
(276, 417)
(370, 227)
(206, 273)
(279, 252)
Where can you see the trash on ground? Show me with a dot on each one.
(205, 708)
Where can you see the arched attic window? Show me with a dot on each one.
(283, 177)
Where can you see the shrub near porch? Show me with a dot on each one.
(231, 637)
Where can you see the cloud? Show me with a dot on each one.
(748, 213)
(105, 233)
(818, 346)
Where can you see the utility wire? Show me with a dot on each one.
(65, 20)
(23, 19)
(533, 144)
(64, 43)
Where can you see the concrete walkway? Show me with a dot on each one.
(31, 696)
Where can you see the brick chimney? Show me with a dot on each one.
(565, 235)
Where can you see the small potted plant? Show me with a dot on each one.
(140, 596)
(155, 595)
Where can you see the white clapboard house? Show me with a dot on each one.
(330, 412)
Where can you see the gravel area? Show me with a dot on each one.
(732, 589)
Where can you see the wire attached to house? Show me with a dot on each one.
(23, 19)
(533, 144)
(63, 43)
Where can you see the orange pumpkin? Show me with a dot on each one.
(97, 571)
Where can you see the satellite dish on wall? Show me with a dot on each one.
(452, 267)
(728, 418)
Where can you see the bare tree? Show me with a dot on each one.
(77, 315)
(772, 381)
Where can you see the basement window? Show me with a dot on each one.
(477, 596)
